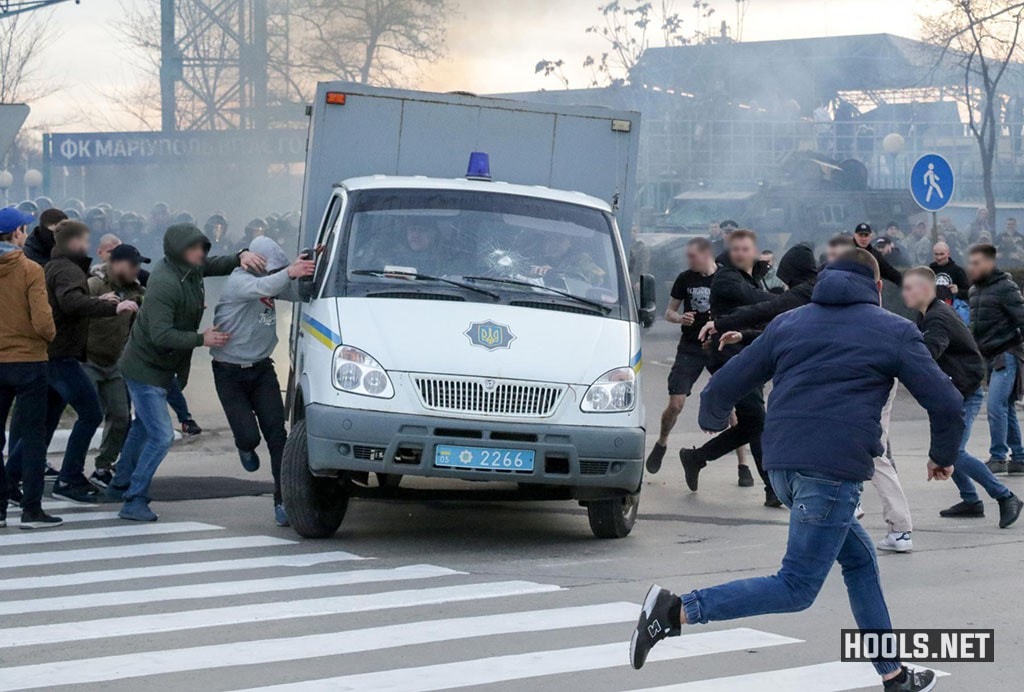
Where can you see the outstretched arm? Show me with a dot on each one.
(751, 368)
(922, 377)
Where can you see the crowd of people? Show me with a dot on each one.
(146, 231)
(114, 341)
(836, 358)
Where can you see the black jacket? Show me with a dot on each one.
(799, 272)
(888, 272)
(39, 245)
(956, 275)
(731, 289)
(67, 285)
(997, 314)
(950, 342)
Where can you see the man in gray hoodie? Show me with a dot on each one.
(243, 371)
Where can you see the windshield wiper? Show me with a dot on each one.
(604, 309)
(385, 273)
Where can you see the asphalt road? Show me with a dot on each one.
(470, 594)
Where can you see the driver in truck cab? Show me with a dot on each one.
(561, 257)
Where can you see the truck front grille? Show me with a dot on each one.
(488, 397)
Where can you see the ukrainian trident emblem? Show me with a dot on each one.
(490, 335)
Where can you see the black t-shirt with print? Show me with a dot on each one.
(694, 290)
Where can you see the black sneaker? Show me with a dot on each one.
(964, 509)
(101, 478)
(1015, 468)
(692, 464)
(190, 428)
(1009, 510)
(655, 458)
(39, 520)
(50, 474)
(771, 499)
(996, 465)
(913, 681)
(653, 626)
(85, 494)
(250, 460)
(745, 480)
(3, 519)
(14, 496)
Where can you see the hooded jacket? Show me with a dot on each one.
(950, 342)
(165, 333)
(108, 335)
(246, 309)
(731, 289)
(66, 282)
(39, 245)
(26, 320)
(833, 363)
(997, 313)
(799, 271)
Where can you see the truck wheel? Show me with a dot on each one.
(316, 506)
(613, 518)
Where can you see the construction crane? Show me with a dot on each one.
(9, 8)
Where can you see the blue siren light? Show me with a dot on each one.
(479, 166)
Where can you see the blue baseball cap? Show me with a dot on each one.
(11, 219)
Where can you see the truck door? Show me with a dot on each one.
(322, 248)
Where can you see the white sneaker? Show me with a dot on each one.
(897, 543)
(858, 513)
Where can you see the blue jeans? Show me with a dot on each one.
(25, 385)
(176, 400)
(1003, 426)
(69, 386)
(968, 467)
(149, 439)
(822, 531)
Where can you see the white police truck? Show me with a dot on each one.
(461, 328)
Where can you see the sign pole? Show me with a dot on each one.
(935, 227)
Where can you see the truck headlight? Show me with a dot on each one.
(357, 372)
(612, 392)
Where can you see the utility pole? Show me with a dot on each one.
(170, 67)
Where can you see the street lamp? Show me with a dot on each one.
(6, 180)
(892, 145)
(33, 179)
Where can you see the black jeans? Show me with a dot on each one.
(251, 398)
(747, 431)
(25, 383)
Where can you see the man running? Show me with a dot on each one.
(689, 307)
(953, 348)
(832, 364)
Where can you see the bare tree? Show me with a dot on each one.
(625, 29)
(23, 39)
(979, 38)
(368, 41)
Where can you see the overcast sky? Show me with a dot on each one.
(493, 44)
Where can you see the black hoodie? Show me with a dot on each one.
(799, 272)
(733, 289)
(39, 245)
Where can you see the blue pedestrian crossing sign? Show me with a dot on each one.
(931, 182)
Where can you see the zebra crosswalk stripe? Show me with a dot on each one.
(126, 531)
(117, 576)
(224, 589)
(74, 518)
(310, 646)
(260, 612)
(127, 550)
(495, 669)
(824, 677)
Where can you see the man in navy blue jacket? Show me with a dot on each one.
(832, 363)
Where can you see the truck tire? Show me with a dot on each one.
(316, 506)
(613, 518)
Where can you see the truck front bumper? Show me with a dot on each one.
(344, 439)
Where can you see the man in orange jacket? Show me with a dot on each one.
(26, 329)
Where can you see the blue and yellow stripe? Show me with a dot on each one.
(637, 361)
(321, 332)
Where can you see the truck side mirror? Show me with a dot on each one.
(306, 289)
(648, 306)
